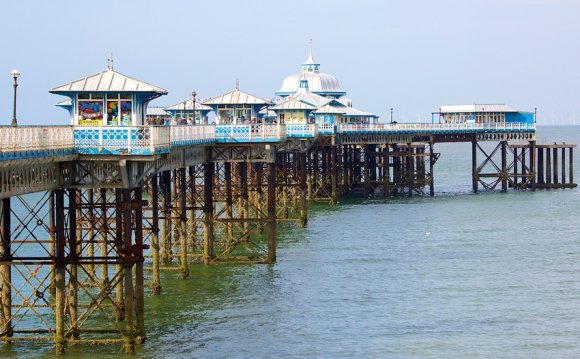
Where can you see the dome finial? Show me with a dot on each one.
(310, 59)
(237, 85)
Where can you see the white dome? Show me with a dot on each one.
(318, 82)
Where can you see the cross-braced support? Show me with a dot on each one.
(52, 249)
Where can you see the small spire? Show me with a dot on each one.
(237, 85)
(110, 62)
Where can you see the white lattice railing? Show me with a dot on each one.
(301, 130)
(35, 138)
(250, 133)
(127, 139)
(325, 128)
(189, 135)
(437, 127)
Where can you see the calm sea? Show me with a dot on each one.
(460, 275)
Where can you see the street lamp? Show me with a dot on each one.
(15, 73)
(193, 94)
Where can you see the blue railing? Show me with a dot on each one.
(43, 141)
(253, 133)
(431, 128)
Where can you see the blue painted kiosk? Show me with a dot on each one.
(189, 112)
(108, 110)
(482, 113)
(108, 98)
(236, 107)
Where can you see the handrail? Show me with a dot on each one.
(250, 133)
(301, 130)
(35, 138)
(436, 127)
(33, 141)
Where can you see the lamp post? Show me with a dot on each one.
(15, 73)
(391, 115)
(193, 94)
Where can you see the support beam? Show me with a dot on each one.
(156, 283)
(208, 235)
(474, 174)
(6, 329)
(504, 173)
(183, 268)
(271, 213)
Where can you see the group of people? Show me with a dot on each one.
(169, 121)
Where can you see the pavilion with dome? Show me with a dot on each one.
(311, 96)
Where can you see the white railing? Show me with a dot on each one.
(35, 138)
(301, 130)
(437, 127)
(123, 139)
(325, 128)
(191, 135)
(250, 133)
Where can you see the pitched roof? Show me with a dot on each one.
(331, 108)
(108, 81)
(155, 111)
(293, 104)
(236, 97)
(189, 106)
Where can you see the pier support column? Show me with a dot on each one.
(366, 171)
(532, 166)
(410, 168)
(183, 268)
(243, 208)
(129, 331)
(431, 167)
(156, 285)
(571, 167)
(6, 329)
(333, 175)
(303, 190)
(504, 174)
(59, 268)
(119, 237)
(104, 237)
(563, 178)
(229, 202)
(548, 168)
(474, 174)
(540, 176)
(271, 213)
(139, 274)
(73, 257)
(208, 235)
(166, 242)
(192, 208)
(516, 167)
(555, 166)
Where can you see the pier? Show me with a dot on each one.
(103, 205)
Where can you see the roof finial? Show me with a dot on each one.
(310, 59)
(237, 85)
(110, 62)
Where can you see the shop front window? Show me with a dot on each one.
(119, 109)
(112, 113)
(90, 113)
(126, 109)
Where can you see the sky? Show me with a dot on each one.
(412, 55)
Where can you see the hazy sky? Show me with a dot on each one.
(410, 55)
